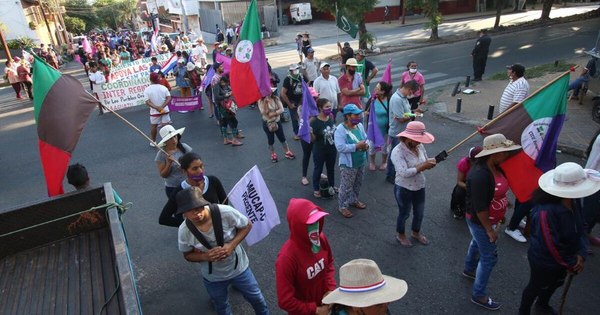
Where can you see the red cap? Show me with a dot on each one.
(154, 77)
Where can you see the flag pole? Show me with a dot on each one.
(510, 110)
(134, 128)
(337, 29)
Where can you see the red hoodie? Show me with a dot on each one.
(303, 277)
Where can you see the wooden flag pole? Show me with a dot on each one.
(510, 110)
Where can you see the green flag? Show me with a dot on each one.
(345, 24)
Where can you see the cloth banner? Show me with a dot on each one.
(136, 69)
(251, 197)
(185, 104)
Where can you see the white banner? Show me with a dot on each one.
(136, 68)
(123, 94)
(251, 197)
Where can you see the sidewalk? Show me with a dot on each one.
(576, 132)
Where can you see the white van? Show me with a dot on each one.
(300, 12)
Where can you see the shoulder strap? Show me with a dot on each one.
(197, 233)
(215, 215)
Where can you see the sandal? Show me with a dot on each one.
(317, 194)
(359, 205)
(383, 167)
(274, 157)
(235, 143)
(421, 239)
(404, 242)
(289, 155)
(372, 167)
(346, 213)
(226, 142)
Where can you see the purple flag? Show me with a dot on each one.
(309, 109)
(387, 74)
(208, 78)
(226, 61)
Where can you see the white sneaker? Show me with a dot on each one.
(516, 235)
(523, 223)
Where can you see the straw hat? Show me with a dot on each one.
(167, 132)
(570, 180)
(363, 285)
(497, 143)
(352, 62)
(415, 130)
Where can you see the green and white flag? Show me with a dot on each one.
(345, 24)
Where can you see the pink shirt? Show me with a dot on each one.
(344, 82)
(406, 76)
(499, 202)
(464, 165)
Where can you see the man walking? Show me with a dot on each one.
(516, 90)
(157, 98)
(480, 54)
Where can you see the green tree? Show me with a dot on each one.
(431, 10)
(355, 10)
(82, 10)
(74, 24)
(116, 13)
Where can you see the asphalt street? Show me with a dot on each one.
(168, 284)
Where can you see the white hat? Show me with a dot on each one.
(352, 62)
(324, 64)
(496, 143)
(190, 66)
(167, 132)
(570, 180)
(363, 285)
(294, 66)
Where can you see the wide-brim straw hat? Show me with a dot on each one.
(167, 132)
(415, 130)
(352, 62)
(363, 285)
(497, 143)
(570, 180)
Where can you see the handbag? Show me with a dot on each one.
(230, 106)
(273, 126)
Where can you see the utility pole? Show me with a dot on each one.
(8, 55)
(185, 20)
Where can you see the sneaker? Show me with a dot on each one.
(274, 157)
(468, 274)
(516, 235)
(488, 304)
(523, 223)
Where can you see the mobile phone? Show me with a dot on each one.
(441, 156)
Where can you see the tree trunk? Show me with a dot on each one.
(546, 7)
(362, 29)
(499, 5)
(434, 33)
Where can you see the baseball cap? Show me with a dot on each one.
(352, 109)
(315, 215)
(309, 50)
(324, 64)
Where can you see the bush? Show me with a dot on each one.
(16, 43)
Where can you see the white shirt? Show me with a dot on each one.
(405, 163)
(515, 92)
(157, 94)
(97, 79)
(311, 66)
(199, 52)
(328, 88)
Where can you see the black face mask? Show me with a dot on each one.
(351, 71)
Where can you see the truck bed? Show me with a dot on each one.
(71, 276)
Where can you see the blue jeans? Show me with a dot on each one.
(246, 284)
(481, 258)
(407, 199)
(325, 155)
(294, 118)
(577, 84)
(391, 171)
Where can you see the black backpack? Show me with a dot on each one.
(215, 214)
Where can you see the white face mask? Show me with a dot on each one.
(295, 72)
(411, 70)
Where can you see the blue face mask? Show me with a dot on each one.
(197, 178)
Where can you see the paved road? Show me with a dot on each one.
(168, 284)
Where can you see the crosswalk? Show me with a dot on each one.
(284, 55)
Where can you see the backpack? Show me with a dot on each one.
(325, 190)
(215, 215)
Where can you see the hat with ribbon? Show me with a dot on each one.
(415, 130)
(496, 143)
(570, 180)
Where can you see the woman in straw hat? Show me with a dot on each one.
(558, 241)
(364, 290)
(486, 206)
(410, 161)
(166, 163)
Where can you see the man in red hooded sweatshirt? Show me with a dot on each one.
(304, 267)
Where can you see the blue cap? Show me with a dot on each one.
(352, 109)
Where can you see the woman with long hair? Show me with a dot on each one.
(382, 112)
(166, 164)
(324, 152)
(270, 108)
(193, 168)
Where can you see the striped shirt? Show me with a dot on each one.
(515, 92)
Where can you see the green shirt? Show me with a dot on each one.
(358, 157)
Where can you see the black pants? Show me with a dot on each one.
(521, 210)
(542, 284)
(325, 156)
(306, 151)
(28, 88)
(591, 211)
(271, 135)
(414, 102)
(479, 66)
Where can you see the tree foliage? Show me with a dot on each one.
(82, 10)
(355, 10)
(74, 24)
(431, 10)
(102, 13)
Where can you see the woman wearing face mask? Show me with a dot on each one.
(410, 161)
(412, 73)
(193, 168)
(382, 112)
(271, 108)
(167, 167)
(351, 143)
(324, 152)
